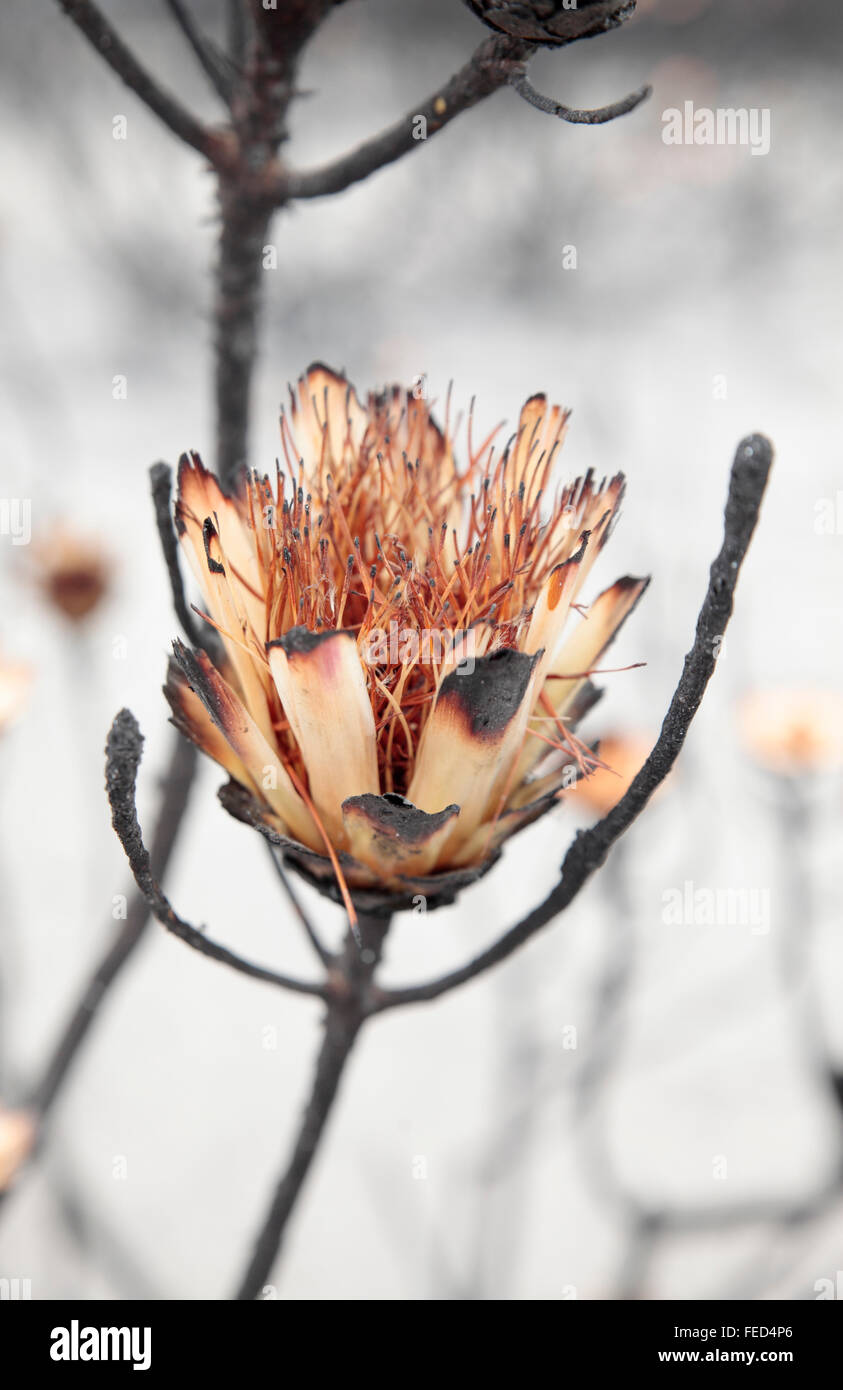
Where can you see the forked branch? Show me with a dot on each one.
(161, 484)
(498, 62)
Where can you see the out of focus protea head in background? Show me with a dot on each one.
(72, 570)
(793, 732)
(15, 682)
(399, 650)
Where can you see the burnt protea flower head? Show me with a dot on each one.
(399, 651)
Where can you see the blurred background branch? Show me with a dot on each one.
(123, 754)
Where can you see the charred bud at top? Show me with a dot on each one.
(552, 22)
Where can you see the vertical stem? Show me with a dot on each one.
(247, 203)
(346, 1014)
(245, 224)
(341, 1029)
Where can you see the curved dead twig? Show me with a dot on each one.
(123, 755)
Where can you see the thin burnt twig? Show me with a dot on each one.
(160, 475)
(123, 754)
(497, 62)
(327, 957)
(599, 116)
(490, 67)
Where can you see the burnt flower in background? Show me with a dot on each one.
(386, 772)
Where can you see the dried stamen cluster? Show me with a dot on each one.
(394, 664)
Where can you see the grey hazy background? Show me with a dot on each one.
(693, 263)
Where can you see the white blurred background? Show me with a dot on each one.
(474, 1152)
